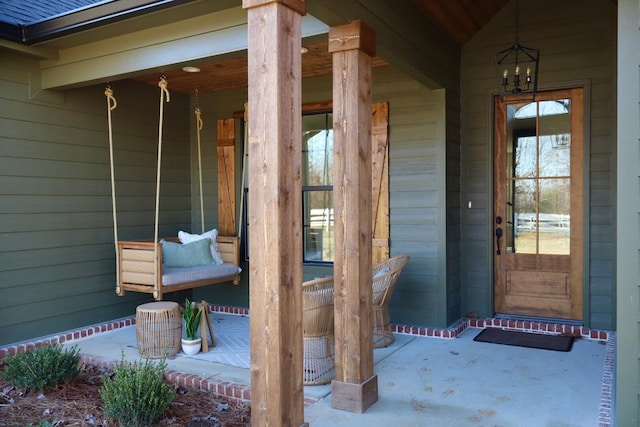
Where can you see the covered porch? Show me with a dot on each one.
(427, 376)
(441, 208)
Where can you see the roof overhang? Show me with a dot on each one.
(215, 35)
(128, 38)
(83, 19)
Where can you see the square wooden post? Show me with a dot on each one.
(353, 46)
(275, 207)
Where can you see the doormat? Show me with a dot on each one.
(525, 339)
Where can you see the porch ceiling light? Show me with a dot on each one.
(517, 68)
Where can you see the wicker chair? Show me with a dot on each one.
(385, 276)
(317, 325)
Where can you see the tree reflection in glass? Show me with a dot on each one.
(539, 169)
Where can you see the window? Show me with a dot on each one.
(317, 188)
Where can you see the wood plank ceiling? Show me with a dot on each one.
(458, 19)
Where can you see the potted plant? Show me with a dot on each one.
(191, 314)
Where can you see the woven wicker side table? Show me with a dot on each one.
(158, 329)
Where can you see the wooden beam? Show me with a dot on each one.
(353, 46)
(275, 204)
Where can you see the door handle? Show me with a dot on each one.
(498, 234)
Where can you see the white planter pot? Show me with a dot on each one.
(191, 347)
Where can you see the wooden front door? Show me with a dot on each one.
(538, 186)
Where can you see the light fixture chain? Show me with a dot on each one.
(523, 77)
(517, 26)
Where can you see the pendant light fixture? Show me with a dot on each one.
(517, 67)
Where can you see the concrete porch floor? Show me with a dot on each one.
(422, 380)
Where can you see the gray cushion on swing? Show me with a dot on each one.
(178, 275)
(186, 255)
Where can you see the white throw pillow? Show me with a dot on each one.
(185, 237)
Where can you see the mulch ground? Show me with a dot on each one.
(78, 403)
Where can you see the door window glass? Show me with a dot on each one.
(538, 177)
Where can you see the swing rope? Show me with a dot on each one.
(244, 164)
(199, 127)
(163, 91)
(111, 105)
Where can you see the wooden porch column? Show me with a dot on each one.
(355, 387)
(275, 207)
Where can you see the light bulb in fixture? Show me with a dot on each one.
(190, 69)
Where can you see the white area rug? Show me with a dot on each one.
(233, 346)
(231, 333)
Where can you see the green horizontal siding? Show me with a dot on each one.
(577, 46)
(57, 256)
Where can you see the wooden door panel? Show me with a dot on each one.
(540, 307)
(537, 262)
(537, 283)
(538, 293)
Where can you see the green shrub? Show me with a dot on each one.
(136, 395)
(42, 368)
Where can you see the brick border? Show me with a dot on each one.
(235, 392)
(66, 336)
(241, 393)
(516, 325)
(605, 419)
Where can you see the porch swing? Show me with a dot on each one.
(157, 266)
